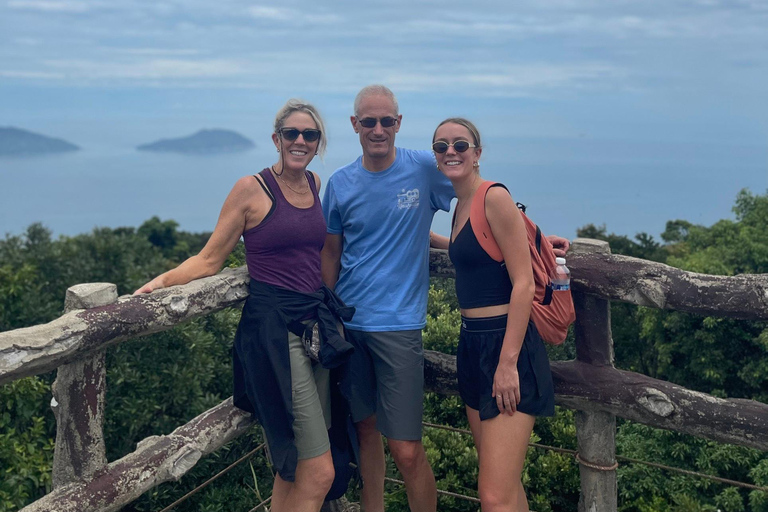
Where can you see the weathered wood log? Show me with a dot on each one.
(595, 430)
(647, 283)
(39, 349)
(79, 399)
(42, 348)
(639, 398)
(156, 460)
(661, 404)
(440, 373)
(592, 329)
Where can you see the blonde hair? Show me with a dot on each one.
(296, 105)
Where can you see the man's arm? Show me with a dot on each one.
(559, 244)
(330, 260)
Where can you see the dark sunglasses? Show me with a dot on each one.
(310, 134)
(370, 122)
(460, 146)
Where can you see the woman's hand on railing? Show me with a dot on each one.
(151, 286)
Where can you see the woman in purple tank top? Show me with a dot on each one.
(278, 214)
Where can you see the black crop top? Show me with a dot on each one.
(480, 280)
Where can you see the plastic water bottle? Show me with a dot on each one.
(561, 277)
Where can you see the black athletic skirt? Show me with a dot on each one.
(478, 356)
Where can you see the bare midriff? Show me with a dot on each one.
(487, 311)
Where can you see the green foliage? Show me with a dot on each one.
(443, 322)
(719, 356)
(162, 381)
(159, 382)
(642, 485)
(27, 429)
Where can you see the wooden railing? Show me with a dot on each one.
(95, 318)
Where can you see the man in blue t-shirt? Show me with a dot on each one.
(379, 210)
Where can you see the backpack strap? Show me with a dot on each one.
(479, 221)
(537, 241)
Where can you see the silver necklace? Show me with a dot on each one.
(284, 182)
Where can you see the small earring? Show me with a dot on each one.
(278, 150)
(475, 164)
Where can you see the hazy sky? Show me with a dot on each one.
(107, 72)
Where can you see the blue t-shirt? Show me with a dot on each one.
(384, 219)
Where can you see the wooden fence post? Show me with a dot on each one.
(78, 399)
(595, 431)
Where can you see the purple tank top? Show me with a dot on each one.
(284, 249)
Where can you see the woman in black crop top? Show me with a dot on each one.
(503, 371)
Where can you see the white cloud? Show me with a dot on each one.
(27, 41)
(263, 12)
(31, 74)
(151, 69)
(152, 51)
(50, 5)
(270, 13)
(523, 80)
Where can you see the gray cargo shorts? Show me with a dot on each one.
(310, 385)
(386, 373)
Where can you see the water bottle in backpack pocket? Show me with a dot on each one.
(561, 276)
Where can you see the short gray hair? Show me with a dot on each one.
(297, 105)
(375, 90)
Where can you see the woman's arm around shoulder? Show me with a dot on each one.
(437, 241)
(241, 203)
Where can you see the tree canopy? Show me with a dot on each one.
(159, 382)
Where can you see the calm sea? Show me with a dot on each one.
(567, 183)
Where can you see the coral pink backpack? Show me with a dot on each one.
(552, 311)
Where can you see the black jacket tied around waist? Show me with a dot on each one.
(262, 368)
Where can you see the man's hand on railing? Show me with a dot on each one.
(560, 245)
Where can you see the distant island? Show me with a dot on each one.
(18, 142)
(204, 141)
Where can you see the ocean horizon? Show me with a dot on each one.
(567, 183)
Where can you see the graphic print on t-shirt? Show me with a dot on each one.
(408, 199)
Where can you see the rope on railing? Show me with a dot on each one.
(593, 465)
(687, 472)
(215, 477)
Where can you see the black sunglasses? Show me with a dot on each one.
(310, 134)
(370, 122)
(460, 146)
